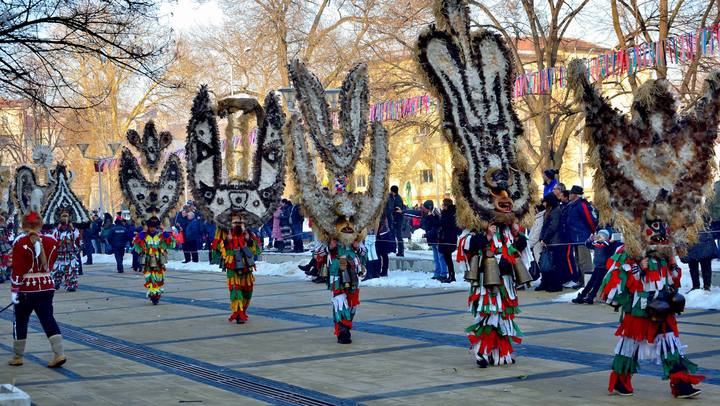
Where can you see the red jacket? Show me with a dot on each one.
(26, 273)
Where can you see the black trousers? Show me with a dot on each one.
(41, 304)
(119, 254)
(593, 285)
(447, 256)
(705, 266)
(397, 232)
(384, 263)
(190, 250)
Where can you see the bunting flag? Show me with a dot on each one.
(399, 109)
(626, 62)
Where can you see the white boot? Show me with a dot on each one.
(18, 352)
(56, 343)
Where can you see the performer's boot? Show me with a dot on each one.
(56, 343)
(344, 335)
(621, 384)
(681, 383)
(18, 352)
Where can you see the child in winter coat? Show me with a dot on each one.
(603, 248)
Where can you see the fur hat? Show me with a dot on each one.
(576, 190)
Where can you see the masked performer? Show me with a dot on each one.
(490, 181)
(236, 251)
(65, 271)
(151, 201)
(33, 289)
(6, 240)
(242, 203)
(652, 171)
(340, 216)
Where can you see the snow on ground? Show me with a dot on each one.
(697, 299)
(410, 279)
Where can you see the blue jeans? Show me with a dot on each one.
(440, 265)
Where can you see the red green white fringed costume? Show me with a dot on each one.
(493, 307)
(65, 270)
(631, 288)
(232, 252)
(345, 288)
(153, 250)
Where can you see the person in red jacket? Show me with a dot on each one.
(33, 256)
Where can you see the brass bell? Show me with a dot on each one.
(153, 261)
(491, 272)
(522, 275)
(472, 272)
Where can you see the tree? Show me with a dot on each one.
(40, 39)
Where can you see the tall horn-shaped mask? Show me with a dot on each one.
(147, 198)
(255, 199)
(654, 167)
(338, 213)
(472, 74)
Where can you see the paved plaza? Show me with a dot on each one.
(408, 348)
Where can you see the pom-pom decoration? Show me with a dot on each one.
(144, 197)
(255, 199)
(337, 214)
(472, 75)
(653, 168)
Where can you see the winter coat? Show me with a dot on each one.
(602, 252)
(534, 234)
(449, 230)
(431, 224)
(704, 249)
(285, 215)
(551, 232)
(394, 219)
(296, 219)
(384, 240)
(118, 237)
(194, 231)
(580, 222)
(276, 233)
(549, 187)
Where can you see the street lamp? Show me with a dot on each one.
(83, 147)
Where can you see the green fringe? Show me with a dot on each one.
(671, 361)
(625, 365)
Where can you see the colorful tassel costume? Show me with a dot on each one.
(153, 249)
(344, 265)
(65, 270)
(235, 254)
(6, 241)
(632, 289)
(493, 305)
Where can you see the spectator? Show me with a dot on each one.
(558, 191)
(194, 231)
(95, 229)
(551, 241)
(699, 259)
(385, 243)
(285, 229)
(449, 232)
(549, 181)
(579, 224)
(136, 263)
(430, 222)
(296, 227)
(118, 238)
(394, 210)
(105, 233)
(210, 229)
(535, 231)
(373, 264)
(603, 248)
(276, 229)
(87, 241)
(266, 231)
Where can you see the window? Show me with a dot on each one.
(426, 176)
(360, 181)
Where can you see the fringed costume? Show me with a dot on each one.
(151, 201)
(491, 182)
(67, 264)
(339, 216)
(239, 204)
(153, 246)
(653, 171)
(235, 251)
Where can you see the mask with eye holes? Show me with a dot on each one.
(656, 232)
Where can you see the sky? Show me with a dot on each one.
(184, 15)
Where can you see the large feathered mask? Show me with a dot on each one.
(472, 74)
(147, 198)
(337, 213)
(654, 167)
(255, 199)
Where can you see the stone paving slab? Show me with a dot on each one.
(409, 348)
